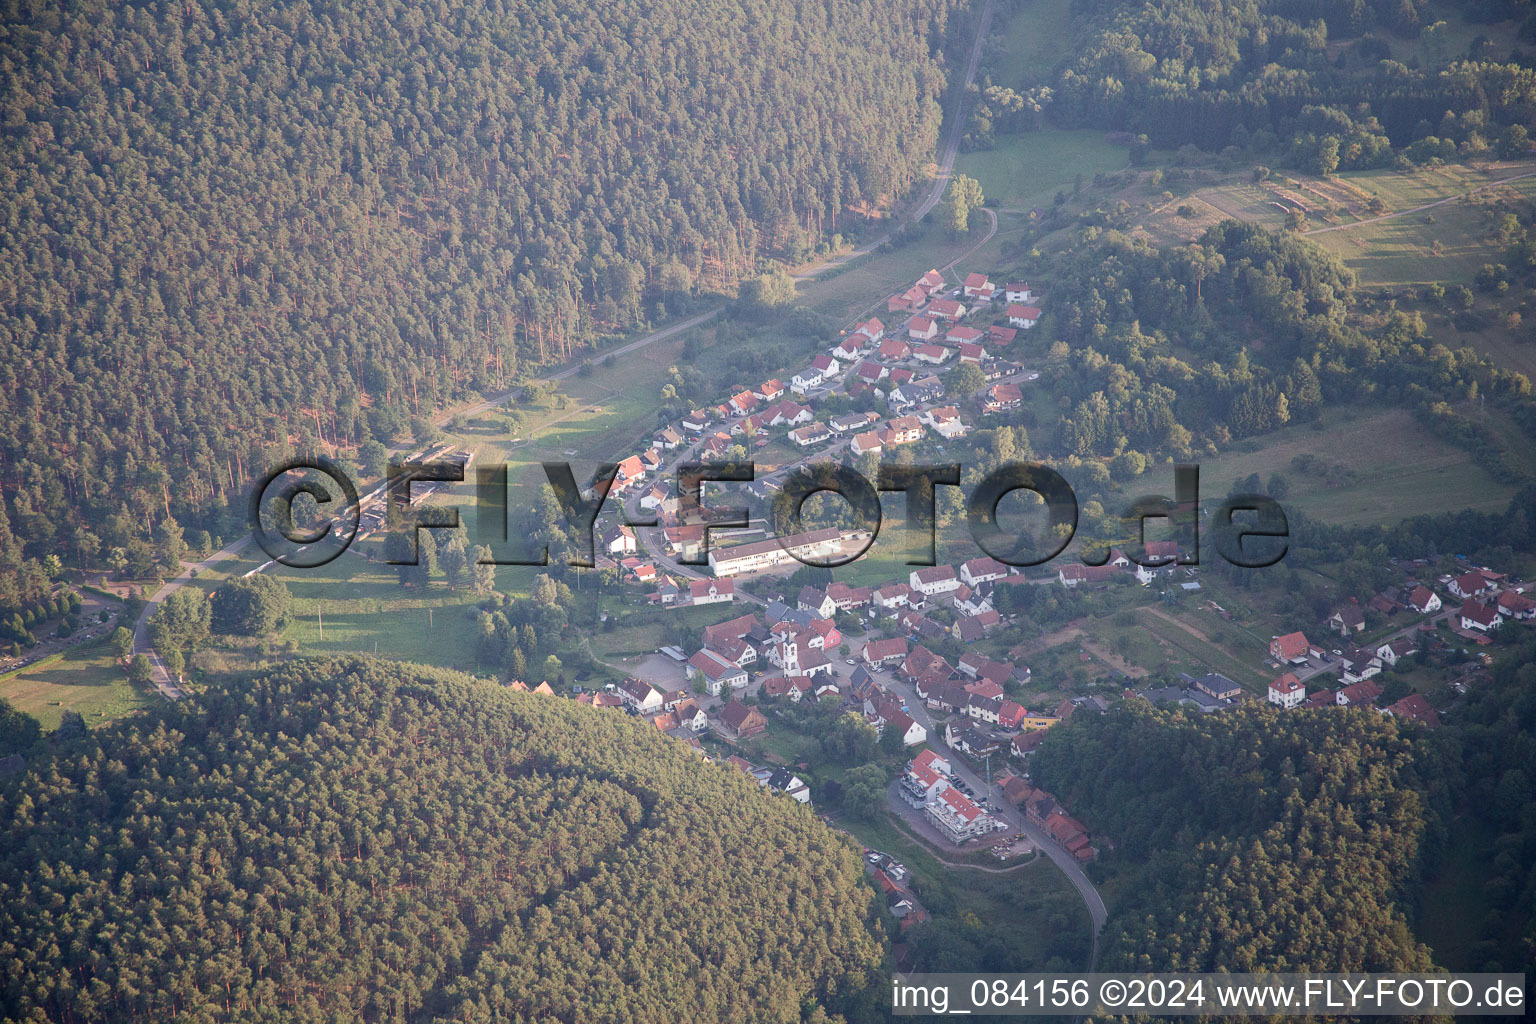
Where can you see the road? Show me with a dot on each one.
(141, 645)
(1063, 860)
(1420, 209)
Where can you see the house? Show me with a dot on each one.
(1360, 694)
(658, 499)
(880, 653)
(619, 540)
(1360, 665)
(816, 433)
(869, 441)
(780, 686)
(825, 365)
(1073, 574)
(711, 591)
(1348, 619)
(846, 597)
(1218, 686)
(870, 371)
(1320, 699)
(630, 471)
(716, 671)
(771, 391)
(907, 301)
(1415, 708)
(805, 380)
(849, 348)
(971, 628)
(979, 666)
(690, 716)
(851, 421)
(1002, 397)
(931, 283)
(1287, 691)
(641, 572)
(982, 570)
(957, 817)
(1023, 316)
(1290, 649)
(892, 596)
(934, 580)
(916, 391)
(976, 286)
(964, 336)
(947, 309)
(1469, 584)
(765, 554)
(1394, 651)
(697, 420)
(813, 600)
(894, 349)
(640, 695)
(945, 422)
(919, 328)
(902, 430)
(912, 733)
(934, 355)
(971, 353)
(741, 722)
(669, 438)
(730, 629)
(1017, 291)
(921, 784)
(1516, 606)
(997, 334)
(1479, 616)
(1423, 600)
(869, 332)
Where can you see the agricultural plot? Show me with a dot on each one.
(84, 679)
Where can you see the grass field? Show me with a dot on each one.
(1028, 47)
(84, 679)
(1026, 171)
(1396, 468)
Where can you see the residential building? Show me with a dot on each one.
(741, 722)
(1287, 691)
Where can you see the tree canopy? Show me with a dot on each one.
(354, 840)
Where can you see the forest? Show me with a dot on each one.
(1256, 840)
(1313, 79)
(352, 840)
(232, 231)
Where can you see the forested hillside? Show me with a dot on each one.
(1255, 840)
(346, 840)
(1342, 83)
(229, 227)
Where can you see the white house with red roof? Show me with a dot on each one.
(1423, 600)
(711, 591)
(1479, 616)
(931, 282)
(934, 580)
(1002, 397)
(985, 569)
(717, 673)
(935, 355)
(870, 371)
(919, 328)
(1469, 584)
(1516, 606)
(1023, 316)
(1287, 691)
(976, 286)
(962, 335)
(1018, 291)
(958, 817)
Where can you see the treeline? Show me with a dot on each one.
(1270, 76)
(232, 232)
(353, 840)
(1126, 313)
(1254, 840)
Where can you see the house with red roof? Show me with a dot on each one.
(931, 282)
(946, 309)
(1002, 397)
(880, 653)
(1289, 649)
(1479, 616)
(976, 286)
(1423, 600)
(957, 817)
(1022, 316)
(1018, 291)
(919, 328)
(1415, 708)
(935, 355)
(1469, 584)
(997, 334)
(1287, 691)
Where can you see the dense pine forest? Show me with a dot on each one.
(346, 840)
(1256, 840)
(234, 229)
